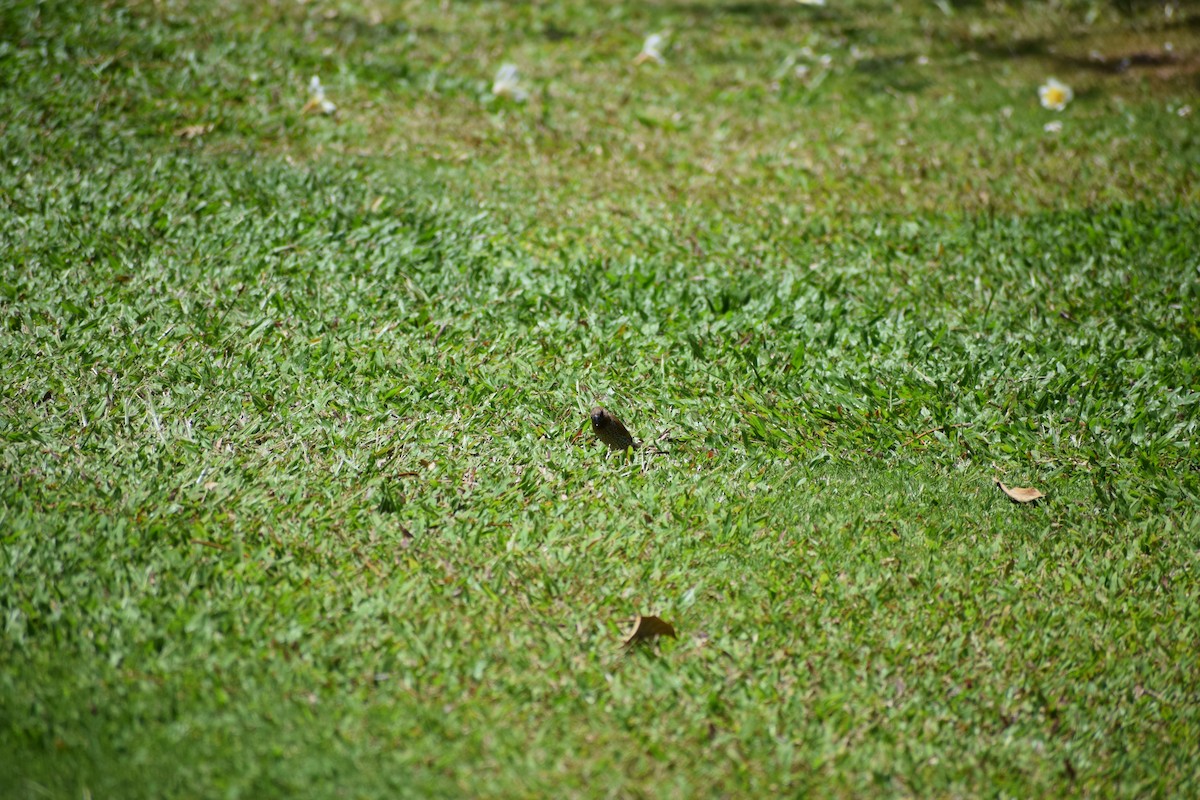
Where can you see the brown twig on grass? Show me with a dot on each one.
(206, 543)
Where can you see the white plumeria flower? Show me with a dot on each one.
(317, 102)
(811, 2)
(1055, 95)
(1053, 127)
(508, 84)
(651, 50)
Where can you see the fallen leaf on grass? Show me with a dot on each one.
(645, 628)
(1019, 495)
(192, 131)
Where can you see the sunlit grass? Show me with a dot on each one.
(298, 490)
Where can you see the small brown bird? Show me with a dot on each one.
(610, 430)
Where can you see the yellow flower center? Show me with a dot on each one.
(1055, 96)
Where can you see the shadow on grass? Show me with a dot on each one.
(1162, 64)
(766, 12)
(892, 72)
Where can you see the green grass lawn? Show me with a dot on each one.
(298, 495)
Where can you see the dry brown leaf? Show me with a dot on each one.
(192, 131)
(645, 628)
(1019, 495)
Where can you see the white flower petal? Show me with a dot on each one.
(1055, 94)
(507, 84)
(317, 102)
(651, 50)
